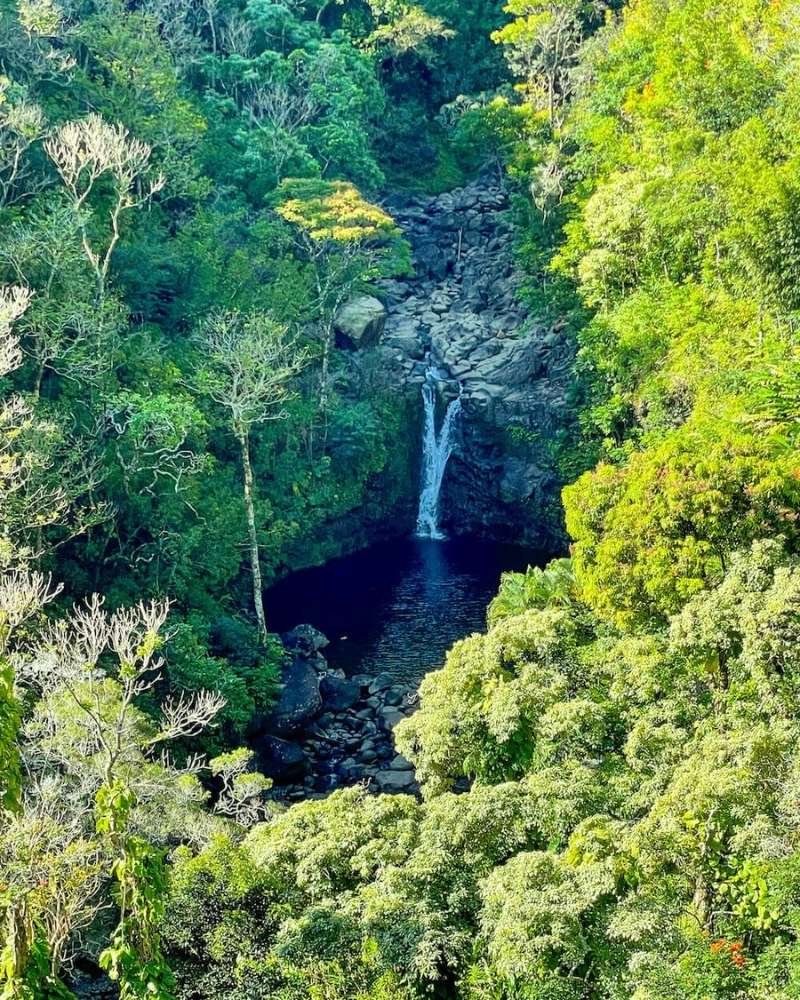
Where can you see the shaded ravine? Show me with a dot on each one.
(391, 612)
(455, 343)
(463, 314)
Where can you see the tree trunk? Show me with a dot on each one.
(255, 562)
(37, 389)
(325, 381)
(700, 903)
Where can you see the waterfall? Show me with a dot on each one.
(436, 451)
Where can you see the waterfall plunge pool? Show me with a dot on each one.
(398, 606)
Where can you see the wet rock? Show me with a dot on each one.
(381, 683)
(399, 763)
(391, 717)
(520, 480)
(305, 640)
(281, 760)
(338, 694)
(300, 699)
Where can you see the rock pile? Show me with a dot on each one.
(329, 731)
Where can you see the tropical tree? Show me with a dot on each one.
(542, 44)
(347, 241)
(91, 764)
(86, 151)
(246, 365)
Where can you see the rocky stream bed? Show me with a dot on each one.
(328, 731)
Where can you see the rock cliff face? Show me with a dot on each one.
(461, 313)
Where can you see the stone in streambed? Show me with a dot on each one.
(338, 694)
(305, 639)
(300, 699)
(381, 683)
(394, 696)
(391, 716)
(281, 760)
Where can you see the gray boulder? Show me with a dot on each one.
(381, 683)
(395, 781)
(338, 694)
(300, 699)
(391, 717)
(280, 760)
(360, 321)
(305, 639)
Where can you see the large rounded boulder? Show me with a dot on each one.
(300, 699)
(360, 322)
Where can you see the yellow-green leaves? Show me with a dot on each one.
(333, 211)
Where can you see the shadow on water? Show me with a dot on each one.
(400, 605)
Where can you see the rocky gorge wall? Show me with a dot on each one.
(461, 312)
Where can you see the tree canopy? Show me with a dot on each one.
(609, 773)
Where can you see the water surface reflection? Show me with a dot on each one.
(398, 606)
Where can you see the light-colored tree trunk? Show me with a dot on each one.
(324, 396)
(242, 433)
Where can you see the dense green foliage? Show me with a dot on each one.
(157, 164)
(629, 724)
(630, 831)
(610, 774)
(186, 199)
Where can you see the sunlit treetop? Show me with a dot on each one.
(404, 27)
(334, 211)
(542, 44)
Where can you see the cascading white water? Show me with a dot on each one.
(436, 451)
